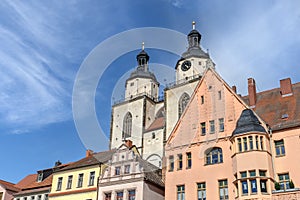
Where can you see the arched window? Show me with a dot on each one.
(183, 101)
(214, 156)
(127, 126)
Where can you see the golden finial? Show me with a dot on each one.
(194, 25)
(143, 45)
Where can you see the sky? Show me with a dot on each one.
(44, 43)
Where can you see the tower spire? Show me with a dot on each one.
(143, 46)
(194, 25)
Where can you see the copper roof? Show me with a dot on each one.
(277, 111)
(9, 186)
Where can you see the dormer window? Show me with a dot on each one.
(40, 177)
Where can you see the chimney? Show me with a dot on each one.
(286, 87)
(234, 88)
(88, 153)
(57, 163)
(252, 92)
(128, 143)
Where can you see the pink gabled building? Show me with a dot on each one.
(225, 146)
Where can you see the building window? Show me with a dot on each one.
(245, 144)
(263, 185)
(220, 94)
(261, 143)
(107, 196)
(239, 144)
(203, 128)
(46, 197)
(250, 142)
(256, 142)
(262, 173)
(171, 161)
(179, 167)
(127, 125)
(117, 171)
(284, 181)
(253, 186)
(221, 124)
(183, 101)
(40, 177)
(223, 189)
(201, 191)
(32, 197)
(202, 99)
(80, 180)
(212, 126)
(245, 187)
(69, 183)
(214, 156)
(132, 84)
(279, 147)
(188, 160)
(92, 178)
(127, 169)
(131, 194)
(180, 192)
(39, 197)
(243, 174)
(59, 183)
(25, 198)
(252, 173)
(120, 195)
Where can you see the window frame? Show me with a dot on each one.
(279, 148)
(69, 183)
(223, 189)
(80, 180)
(201, 191)
(59, 183)
(188, 160)
(211, 158)
(180, 192)
(92, 178)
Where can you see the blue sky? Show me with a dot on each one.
(43, 44)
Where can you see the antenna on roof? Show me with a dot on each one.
(194, 25)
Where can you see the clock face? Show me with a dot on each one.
(186, 65)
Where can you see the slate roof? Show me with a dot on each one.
(248, 122)
(9, 186)
(277, 111)
(95, 159)
(152, 173)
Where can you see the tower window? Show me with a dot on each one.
(183, 101)
(220, 94)
(171, 162)
(245, 144)
(127, 126)
(153, 135)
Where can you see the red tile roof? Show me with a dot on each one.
(30, 182)
(277, 111)
(9, 186)
(157, 124)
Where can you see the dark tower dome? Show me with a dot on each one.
(142, 70)
(194, 49)
(248, 122)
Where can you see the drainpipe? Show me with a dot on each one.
(271, 147)
(98, 180)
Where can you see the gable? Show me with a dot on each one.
(212, 100)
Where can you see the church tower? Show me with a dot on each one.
(189, 69)
(134, 114)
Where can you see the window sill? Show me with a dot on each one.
(278, 156)
(188, 167)
(212, 163)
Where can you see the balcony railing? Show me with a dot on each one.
(156, 99)
(183, 81)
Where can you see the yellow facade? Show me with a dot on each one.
(88, 190)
